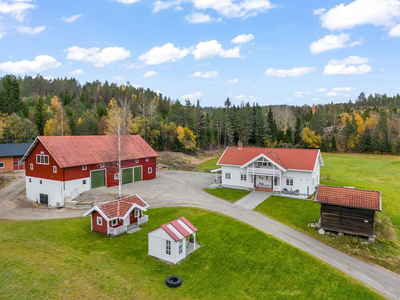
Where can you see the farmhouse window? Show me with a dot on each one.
(84, 168)
(1, 165)
(149, 170)
(243, 177)
(99, 221)
(136, 161)
(42, 159)
(180, 246)
(54, 169)
(116, 176)
(289, 181)
(31, 166)
(168, 247)
(147, 159)
(114, 222)
(227, 175)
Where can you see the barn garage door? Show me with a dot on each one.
(138, 173)
(98, 178)
(127, 175)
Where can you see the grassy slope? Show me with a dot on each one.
(362, 171)
(64, 259)
(209, 165)
(231, 195)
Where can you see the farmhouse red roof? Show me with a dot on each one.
(178, 227)
(349, 197)
(119, 208)
(296, 159)
(70, 151)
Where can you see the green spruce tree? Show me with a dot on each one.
(40, 115)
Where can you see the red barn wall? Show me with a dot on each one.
(103, 228)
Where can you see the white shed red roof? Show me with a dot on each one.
(71, 151)
(294, 159)
(178, 229)
(351, 197)
(119, 209)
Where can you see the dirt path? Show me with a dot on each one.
(177, 188)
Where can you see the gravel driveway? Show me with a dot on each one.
(178, 188)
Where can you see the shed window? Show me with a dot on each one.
(114, 222)
(136, 161)
(84, 181)
(84, 168)
(31, 166)
(1, 165)
(168, 247)
(243, 177)
(180, 246)
(289, 181)
(99, 221)
(149, 170)
(147, 159)
(54, 169)
(136, 213)
(42, 159)
(227, 175)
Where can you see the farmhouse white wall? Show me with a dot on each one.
(74, 188)
(235, 176)
(52, 188)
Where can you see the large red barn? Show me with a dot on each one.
(59, 168)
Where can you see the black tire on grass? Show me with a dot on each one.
(173, 281)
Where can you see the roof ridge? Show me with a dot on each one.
(278, 159)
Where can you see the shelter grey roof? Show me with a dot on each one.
(19, 149)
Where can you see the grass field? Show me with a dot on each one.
(373, 172)
(231, 195)
(63, 259)
(209, 165)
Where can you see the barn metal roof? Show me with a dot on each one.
(18, 149)
(292, 159)
(351, 197)
(178, 229)
(71, 151)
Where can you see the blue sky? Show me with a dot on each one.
(270, 52)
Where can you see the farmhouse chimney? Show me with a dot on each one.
(240, 145)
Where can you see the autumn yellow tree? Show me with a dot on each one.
(186, 138)
(310, 139)
(58, 124)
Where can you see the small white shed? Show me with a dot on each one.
(168, 242)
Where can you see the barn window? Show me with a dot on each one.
(99, 221)
(84, 181)
(54, 169)
(31, 166)
(42, 159)
(40, 182)
(243, 177)
(136, 213)
(289, 181)
(150, 170)
(114, 222)
(168, 247)
(136, 161)
(15, 163)
(180, 246)
(84, 168)
(30, 180)
(1, 165)
(227, 175)
(147, 159)
(116, 176)
(101, 165)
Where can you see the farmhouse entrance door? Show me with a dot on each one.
(44, 199)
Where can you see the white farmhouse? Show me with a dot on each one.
(168, 242)
(279, 170)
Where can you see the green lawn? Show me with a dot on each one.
(63, 259)
(373, 172)
(209, 165)
(231, 195)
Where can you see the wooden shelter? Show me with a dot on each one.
(348, 210)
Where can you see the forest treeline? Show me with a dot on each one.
(31, 106)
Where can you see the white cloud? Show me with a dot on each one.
(349, 66)
(321, 90)
(233, 80)
(149, 74)
(77, 72)
(136, 86)
(127, 1)
(395, 31)
(212, 48)
(96, 57)
(308, 93)
(342, 89)
(158, 92)
(160, 5)
(71, 18)
(193, 97)
(398, 88)
(197, 18)
(332, 41)
(362, 12)
(210, 74)
(299, 94)
(332, 94)
(117, 78)
(291, 73)
(242, 39)
(319, 11)
(17, 9)
(314, 99)
(240, 97)
(28, 30)
(41, 63)
(2, 34)
(49, 77)
(178, 8)
(166, 53)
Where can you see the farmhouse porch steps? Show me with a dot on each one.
(133, 230)
(263, 189)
